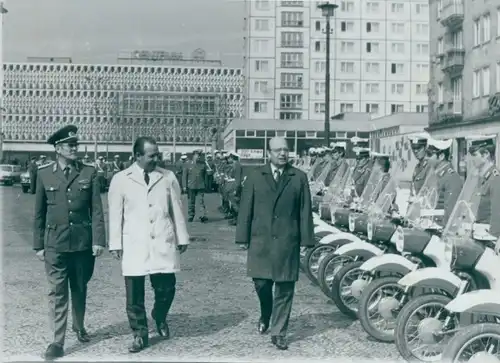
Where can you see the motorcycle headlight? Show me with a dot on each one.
(369, 230)
(351, 222)
(398, 238)
(332, 215)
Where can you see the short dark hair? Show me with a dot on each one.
(138, 149)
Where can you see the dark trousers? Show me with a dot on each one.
(194, 194)
(277, 308)
(164, 291)
(62, 269)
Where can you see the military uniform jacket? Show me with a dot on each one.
(179, 166)
(237, 174)
(360, 177)
(68, 212)
(419, 175)
(449, 188)
(319, 169)
(333, 171)
(193, 175)
(489, 205)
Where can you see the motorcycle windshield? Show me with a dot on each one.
(341, 194)
(319, 182)
(310, 172)
(459, 228)
(370, 189)
(336, 187)
(425, 200)
(387, 196)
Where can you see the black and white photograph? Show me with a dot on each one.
(250, 180)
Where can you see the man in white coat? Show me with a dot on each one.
(147, 232)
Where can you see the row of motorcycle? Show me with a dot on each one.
(431, 288)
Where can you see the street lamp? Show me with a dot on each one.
(328, 11)
(96, 110)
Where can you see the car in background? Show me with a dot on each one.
(25, 181)
(10, 174)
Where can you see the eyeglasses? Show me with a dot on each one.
(285, 150)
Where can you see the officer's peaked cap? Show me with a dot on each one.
(357, 141)
(312, 150)
(339, 145)
(361, 152)
(66, 134)
(481, 141)
(440, 144)
(231, 153)
(101, 157)
(183, 156)
(42, 156)
(197, 151)
(419, 139)
(379, 155)
(117, 156)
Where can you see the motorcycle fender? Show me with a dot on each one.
(341, 236)
(432, 277)
(476, 302)
(327, 228)
(359, 248)
(389, 262)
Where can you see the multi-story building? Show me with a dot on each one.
(113, 104)
(379, 51)
(465, 70)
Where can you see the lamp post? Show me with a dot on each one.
(96, 110)
(328, 11)
(3, 11)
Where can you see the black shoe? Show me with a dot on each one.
(138, 344)
(162, 329)
(82, 336)
(54, 351)
(203, 219)
(263, 326)
(279, 342)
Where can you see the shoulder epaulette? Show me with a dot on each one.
(46, 165)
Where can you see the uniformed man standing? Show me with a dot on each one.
(235, 193)
(68, 234)
(179, 169)
(33, 170)
(449, 181)
(418, 147)
(193, 182)
(482, 155)
(100, 166)
(210, 173)
(362, 170)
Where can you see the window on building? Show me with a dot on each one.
(423, 29)
(262, 4)
(486, 28)
(290, 101)
(421, 89)
(318, 26)
(498, 22)
(440, 45)
(398, 28)
(372, 27)
(423, 48)
(292, 3)
(372, 108)
(319, 87)
(319, 107)
(372, 67)
(262, 24)
(372, 47)
(422, 108)
(477, 32)
(347, 47)
(347, 6)
(440, 93)
(456, 87)
(347, 26)
(292, 80)
(292, 19)
(317, 46)
(292, 60)
(397, 88)
(396, 108)
(346, 107)
(398, 48)
(260, 107)
(372, 7)
(397, 8)
(346, 87)
(457, 39)
(422, 9)
(476, 83)
(347, 67)
(320, 66)
(498, 76)
(262, 66)
(292, 39)
(260, 45)
(372, 88)
(397, 68)
(290, 115)
(486, 81)
(261, 86)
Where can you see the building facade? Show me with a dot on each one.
(465, 71)
(379, 58)
(113, 104)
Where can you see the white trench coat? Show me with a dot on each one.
(146, 222)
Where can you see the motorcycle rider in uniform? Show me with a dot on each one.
(235, 195)
(449, 181)
(418, 147)
(338, 157)
(364, 164)
(179, 169)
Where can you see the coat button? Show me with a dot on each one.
(152, 237)
(152, 221)
(150, 205)
(69, 190)
(69, 200)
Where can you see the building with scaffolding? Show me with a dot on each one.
(182, 103)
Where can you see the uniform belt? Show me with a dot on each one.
(431, 212)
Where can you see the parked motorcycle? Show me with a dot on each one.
(473, 265)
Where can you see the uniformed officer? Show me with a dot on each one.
(193, 182)
(418, 147)
(234, 194)
(338, 157)
(101, 172)
(226, 170)
(449, 181)
(43, 160)
(210, 183)
(179, 169)
(482, 151)
(364, 164)
(68, 233)
(33, 170)
(320, 164)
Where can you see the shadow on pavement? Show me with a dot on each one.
(309, 325)
(181, 326)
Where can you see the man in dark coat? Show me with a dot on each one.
(274, 221)
(33, 170)
(193, 183)
(68, 234)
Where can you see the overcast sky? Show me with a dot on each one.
(97, 30)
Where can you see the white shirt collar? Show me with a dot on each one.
(274, 168)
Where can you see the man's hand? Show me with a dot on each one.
(117, 254)
(182, 248)
(41, 255)
(97, 250)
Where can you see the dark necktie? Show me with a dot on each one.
(146, 177)
(67, 171)
(277, 175)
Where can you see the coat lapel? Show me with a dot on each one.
(154, 177)
(284, 180)
(135, 173)
(75, 171)
(268, 175)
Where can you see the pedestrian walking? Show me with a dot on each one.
(68, 234)
(274, 221)
(147, 232)
(193, 182)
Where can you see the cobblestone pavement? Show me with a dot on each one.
(213, 316)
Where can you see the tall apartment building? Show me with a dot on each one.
(379, 58)
(465, 70)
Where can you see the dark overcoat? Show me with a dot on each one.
(275, 219)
